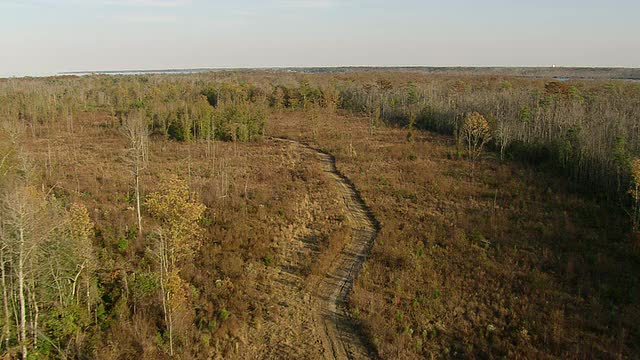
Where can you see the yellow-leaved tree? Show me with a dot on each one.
(81, 233)
(476, 134)
(178, 239)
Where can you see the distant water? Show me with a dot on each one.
(563, 79)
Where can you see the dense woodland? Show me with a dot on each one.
(136, 209)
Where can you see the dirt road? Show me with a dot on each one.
(340, 336)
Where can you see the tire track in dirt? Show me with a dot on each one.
(341, 336)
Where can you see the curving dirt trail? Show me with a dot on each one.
(341, 337)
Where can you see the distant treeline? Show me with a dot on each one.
(600, 73)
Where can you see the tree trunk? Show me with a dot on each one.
(88, 295)
(5, 303)
(34, 312)
(137, 175)
(164, 275)
(21, 300)
(170, 334)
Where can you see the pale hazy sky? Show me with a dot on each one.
(49, 36)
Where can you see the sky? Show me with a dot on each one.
(42, 37)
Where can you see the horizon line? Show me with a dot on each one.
(282, 67)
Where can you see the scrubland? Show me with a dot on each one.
(527, 248)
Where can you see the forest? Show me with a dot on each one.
(198, 215)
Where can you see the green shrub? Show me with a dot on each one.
(223, 314)
(177, 131)
(123, 245)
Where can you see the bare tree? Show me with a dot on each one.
(23, 209)
(136, 130)
(503, 137)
